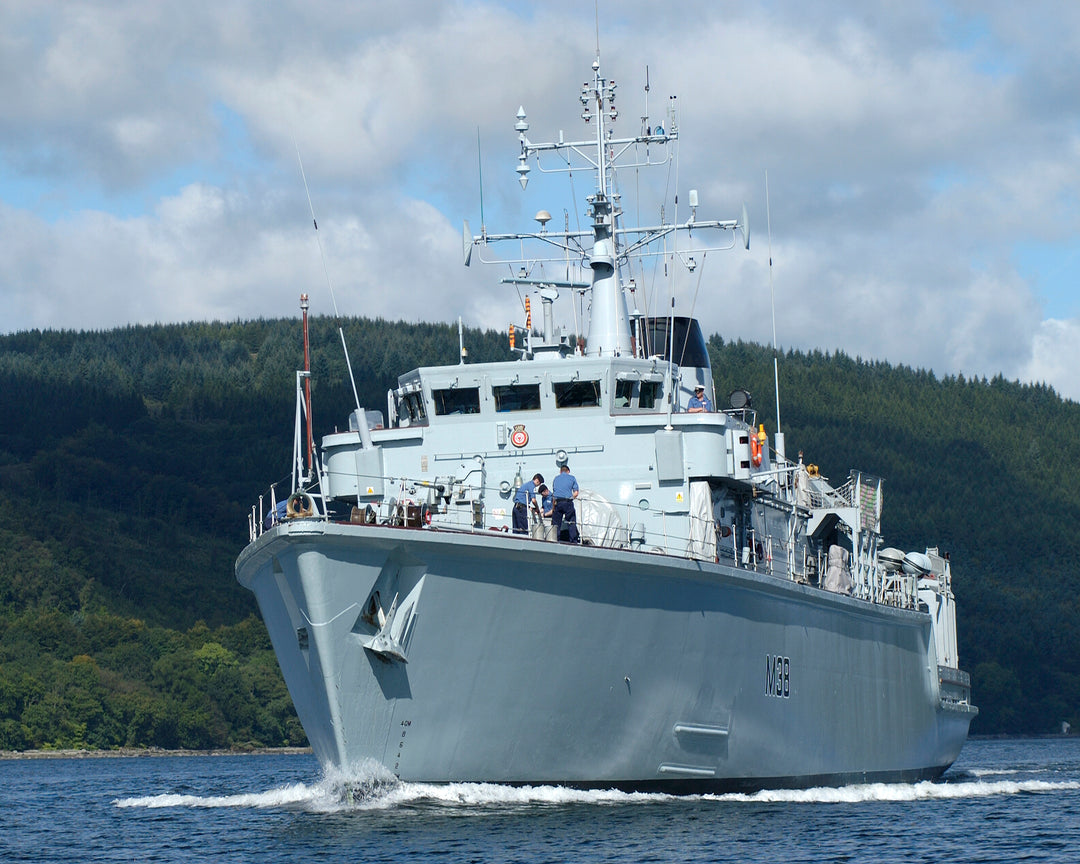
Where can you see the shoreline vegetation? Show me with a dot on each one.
(130, 752)
(136, 752)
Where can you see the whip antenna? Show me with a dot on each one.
(597, 7)
(480, 174)
(326, 272)
(772, 303)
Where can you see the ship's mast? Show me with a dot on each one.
(609, 331)
(307, 385)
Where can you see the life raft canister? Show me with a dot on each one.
(757, 441)
(299, 506)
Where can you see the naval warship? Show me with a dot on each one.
(727, 619)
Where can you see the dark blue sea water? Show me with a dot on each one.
(1003, 801)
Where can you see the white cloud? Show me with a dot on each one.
(1055, 357)
(909, 147)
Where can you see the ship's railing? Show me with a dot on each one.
(949, 675)
(815, 491)
(262, 516)
(843, 494)
(822, 495)
(270, 509)
(664, 534)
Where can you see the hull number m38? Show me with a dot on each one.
(777, 676)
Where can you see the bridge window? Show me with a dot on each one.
(576, 394)
(517, 397)
(624, 392)
(411, 408)
(457, 400)
(649, 394)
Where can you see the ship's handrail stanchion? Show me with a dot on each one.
(869, 582)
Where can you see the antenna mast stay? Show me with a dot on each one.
(326, 272)
(772, 303)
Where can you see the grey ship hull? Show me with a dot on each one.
(516, 661)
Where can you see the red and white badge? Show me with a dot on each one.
(519, 437)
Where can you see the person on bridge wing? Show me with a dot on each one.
(565, 489)
(522, 499)
(699, 402)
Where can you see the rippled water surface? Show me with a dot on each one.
(1002, 801)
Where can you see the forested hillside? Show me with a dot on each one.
(130, 458)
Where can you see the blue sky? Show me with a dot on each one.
(922, 160)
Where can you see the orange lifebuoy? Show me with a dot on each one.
(755, 451)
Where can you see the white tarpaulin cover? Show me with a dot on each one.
(837, 573)
(598, 520)
(702, 527)
(802, 487)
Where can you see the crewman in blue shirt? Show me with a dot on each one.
(547, 502)
(543, 512)
(522, 499)
(565, 489)
(699, 402)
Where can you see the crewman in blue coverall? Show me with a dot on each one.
(543, 513)
(522, 499)
(565, 489)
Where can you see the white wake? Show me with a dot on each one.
(374, 788)
(891, 792)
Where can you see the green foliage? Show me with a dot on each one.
(130, 684)
(130, 458)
